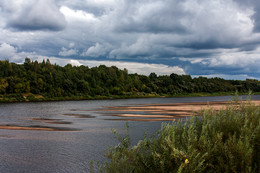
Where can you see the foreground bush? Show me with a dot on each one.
(218, 141)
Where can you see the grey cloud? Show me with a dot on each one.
(68, 52)
(228, 62)
(150, 16)
(96, 51)
(141, 48)
(36, 15)
(257, 17)
(186, 24)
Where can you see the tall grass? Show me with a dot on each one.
(217, 141)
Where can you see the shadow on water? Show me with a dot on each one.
(80, 115)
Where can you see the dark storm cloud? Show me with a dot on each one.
(257, 16)
(255, 4)
(200, 36)
(38, 15)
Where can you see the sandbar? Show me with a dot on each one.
(165, 112)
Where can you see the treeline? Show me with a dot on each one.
(51, 80)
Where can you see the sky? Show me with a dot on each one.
(211, 38)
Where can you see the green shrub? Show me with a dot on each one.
(217, 141)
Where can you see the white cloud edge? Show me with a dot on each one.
(132, 67)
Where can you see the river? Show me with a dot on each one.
(65, 136)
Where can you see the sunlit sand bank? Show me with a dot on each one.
(163, 112)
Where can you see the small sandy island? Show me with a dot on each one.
(37, 128)
(163, 112)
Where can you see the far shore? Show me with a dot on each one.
(41, 98)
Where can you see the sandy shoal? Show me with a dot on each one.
(167, 111)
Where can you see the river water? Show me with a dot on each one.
(81, 132)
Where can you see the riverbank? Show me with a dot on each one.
(11, 98)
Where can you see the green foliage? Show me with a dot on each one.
(53, 81)
(3, 86)
(223, 141)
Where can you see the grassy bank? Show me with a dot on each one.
(217, 141)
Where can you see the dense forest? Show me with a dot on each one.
(34, 80)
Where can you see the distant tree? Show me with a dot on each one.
(55, 81)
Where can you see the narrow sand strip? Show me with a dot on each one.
(145, 120)
(14, 127)
(145, 116)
